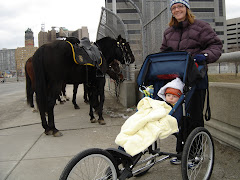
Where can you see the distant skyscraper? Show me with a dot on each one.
(29, 39)
(233, 34)
(7, 60)
(213, 12)
(50, 36)
(23, 53)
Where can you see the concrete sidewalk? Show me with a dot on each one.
(28, 154)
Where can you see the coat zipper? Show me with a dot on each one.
(180, 38)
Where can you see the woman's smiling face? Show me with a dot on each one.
(179, 11)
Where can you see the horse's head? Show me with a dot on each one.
(124, 51)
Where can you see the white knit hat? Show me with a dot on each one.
(176, 84)
(185, 2)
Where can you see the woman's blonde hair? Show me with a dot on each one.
(189, 16)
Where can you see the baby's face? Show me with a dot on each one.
(172, 99)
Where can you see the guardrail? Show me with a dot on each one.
(227, 63)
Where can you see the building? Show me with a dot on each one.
(29, 39)
(7, 61)
(23, 53)
(60, 33)
(233, 35)
(213, 12)
(128, 15)
(80, 33)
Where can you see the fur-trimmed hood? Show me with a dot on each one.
(176, 84)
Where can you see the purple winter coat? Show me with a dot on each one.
(196, 38)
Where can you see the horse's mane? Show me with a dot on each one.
(106, 45)
(105, 39)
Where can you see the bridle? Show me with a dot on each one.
(124, 50)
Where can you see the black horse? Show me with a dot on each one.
(53, 65)
(112, 49)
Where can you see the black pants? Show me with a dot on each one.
(193, 119)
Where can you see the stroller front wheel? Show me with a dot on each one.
(198, 155)
(90, 164)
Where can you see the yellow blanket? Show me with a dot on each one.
(149, 123)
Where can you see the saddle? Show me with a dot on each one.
(86, 53)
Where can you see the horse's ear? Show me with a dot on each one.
(119, 39)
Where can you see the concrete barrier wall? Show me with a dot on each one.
(225, 108)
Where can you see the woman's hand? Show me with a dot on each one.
(199, 58)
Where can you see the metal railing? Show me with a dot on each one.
(227, 63)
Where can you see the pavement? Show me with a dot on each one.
(28, 154)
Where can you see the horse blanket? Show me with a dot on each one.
(150, 122)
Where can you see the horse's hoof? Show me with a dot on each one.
(101, 122)
(76, 107)
(93, 120)
(58, 134)
(34, 110)
(86, 101)
(50, 132)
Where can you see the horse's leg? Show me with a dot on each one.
(101, 84)
(92, 118)
(51, 123)
(64, 92)
(53, 93)
(59, 98)
(85, 95)
(75, 89)
(44, 123)
(31, 103)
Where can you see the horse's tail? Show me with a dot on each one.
(29, 90)
(40, 79)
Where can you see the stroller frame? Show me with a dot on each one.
(197, 158)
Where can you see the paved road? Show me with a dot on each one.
(27, 154)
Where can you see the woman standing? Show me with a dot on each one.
(185, 33)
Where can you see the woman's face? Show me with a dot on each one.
(179, 11)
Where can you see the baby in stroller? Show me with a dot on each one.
(172, 91)
(152, 120)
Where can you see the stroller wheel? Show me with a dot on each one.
(90, 164)
(198, 155)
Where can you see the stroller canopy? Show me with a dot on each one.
(168, 65)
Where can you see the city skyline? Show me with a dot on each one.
(14, 15)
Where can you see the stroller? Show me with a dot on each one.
(197, 158)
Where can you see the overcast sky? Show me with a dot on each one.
(18, 15)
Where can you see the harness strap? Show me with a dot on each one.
(87, 76)
(208, 110)
(73, 52)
